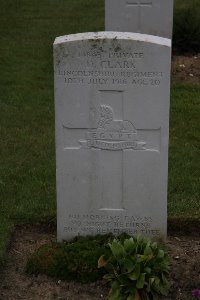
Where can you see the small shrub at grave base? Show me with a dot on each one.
(74, 260)
(137, 270)
(186, 29)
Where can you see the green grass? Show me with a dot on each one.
(6, 228)
(184, 162)
(27, 148)
(186, 29)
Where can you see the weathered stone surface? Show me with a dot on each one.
(112, 113)
(154, 17)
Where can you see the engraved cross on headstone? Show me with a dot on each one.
(108, 143)
(139, 4)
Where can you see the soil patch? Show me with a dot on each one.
(186, 69)
(16, 284)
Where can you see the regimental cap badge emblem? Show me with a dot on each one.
(112, 134)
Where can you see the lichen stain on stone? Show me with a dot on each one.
(57, 56)
(118, 49)
(60, 53)
(94, 43)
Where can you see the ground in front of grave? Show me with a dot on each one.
(16, 284)
(186, 69)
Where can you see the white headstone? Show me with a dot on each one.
(112, 95)
(153, 17)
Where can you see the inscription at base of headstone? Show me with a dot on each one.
(112, 114)
(154, 17)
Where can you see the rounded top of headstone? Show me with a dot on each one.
(113, 35)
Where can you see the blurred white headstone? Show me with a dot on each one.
(154, 17)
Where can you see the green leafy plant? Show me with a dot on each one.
(137, 269)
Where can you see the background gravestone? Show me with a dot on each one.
(153, 17)
(112, 112)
